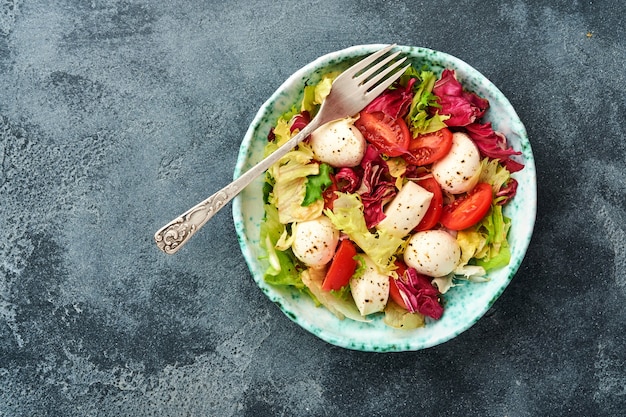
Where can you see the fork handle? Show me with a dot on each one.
(171, 237)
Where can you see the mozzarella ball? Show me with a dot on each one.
(433, 252)
(370, 290)
(339, 144)
(406, 210)
(459, 170)
(315, 241)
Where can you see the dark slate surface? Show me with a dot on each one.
(117, 115)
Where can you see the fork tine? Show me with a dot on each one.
(361, 78)
(386, 83)
(374, 80)
(365, 62)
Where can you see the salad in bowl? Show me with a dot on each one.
(395, 228)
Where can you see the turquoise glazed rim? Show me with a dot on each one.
(466, 302)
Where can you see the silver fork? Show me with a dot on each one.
(351, 91)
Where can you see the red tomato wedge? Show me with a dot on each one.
(390, 136)
(394, 292)
(432, 216)
(342, 267)
(468, 210)
(430, 147)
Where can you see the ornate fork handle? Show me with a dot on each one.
(171, 237)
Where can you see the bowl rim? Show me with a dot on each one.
(266, 109)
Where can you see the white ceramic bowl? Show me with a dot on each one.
(464, 304)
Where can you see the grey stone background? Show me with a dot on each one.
(117, 115)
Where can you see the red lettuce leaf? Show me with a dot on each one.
(493, 145)
(507, 192)
(377, 186)
(464, 107)
(299, 121)
(395, 102)
(419, 294)
(348, 180)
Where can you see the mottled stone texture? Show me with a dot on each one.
(117, 115)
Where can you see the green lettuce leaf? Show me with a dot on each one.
(283, 266)
(485, 244)
(288, 274)
(308, 100)
(492, 172)
(500, 259)
(471, 242)
(419, 119)
(314, 95)
(317, 184)
(496, 227)
(282, 134)
(400, 318)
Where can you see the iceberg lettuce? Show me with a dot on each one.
(283, 269)
(289, 177)
(347, 216)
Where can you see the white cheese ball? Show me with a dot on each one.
(459, 170)
(339, 144)
(432, 252)
(315, 241)
(370, 290)
(406, 210)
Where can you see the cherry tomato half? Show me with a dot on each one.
(390, 136)
(430, 147)
(433, 214)
(342, 267)
(469, 210)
